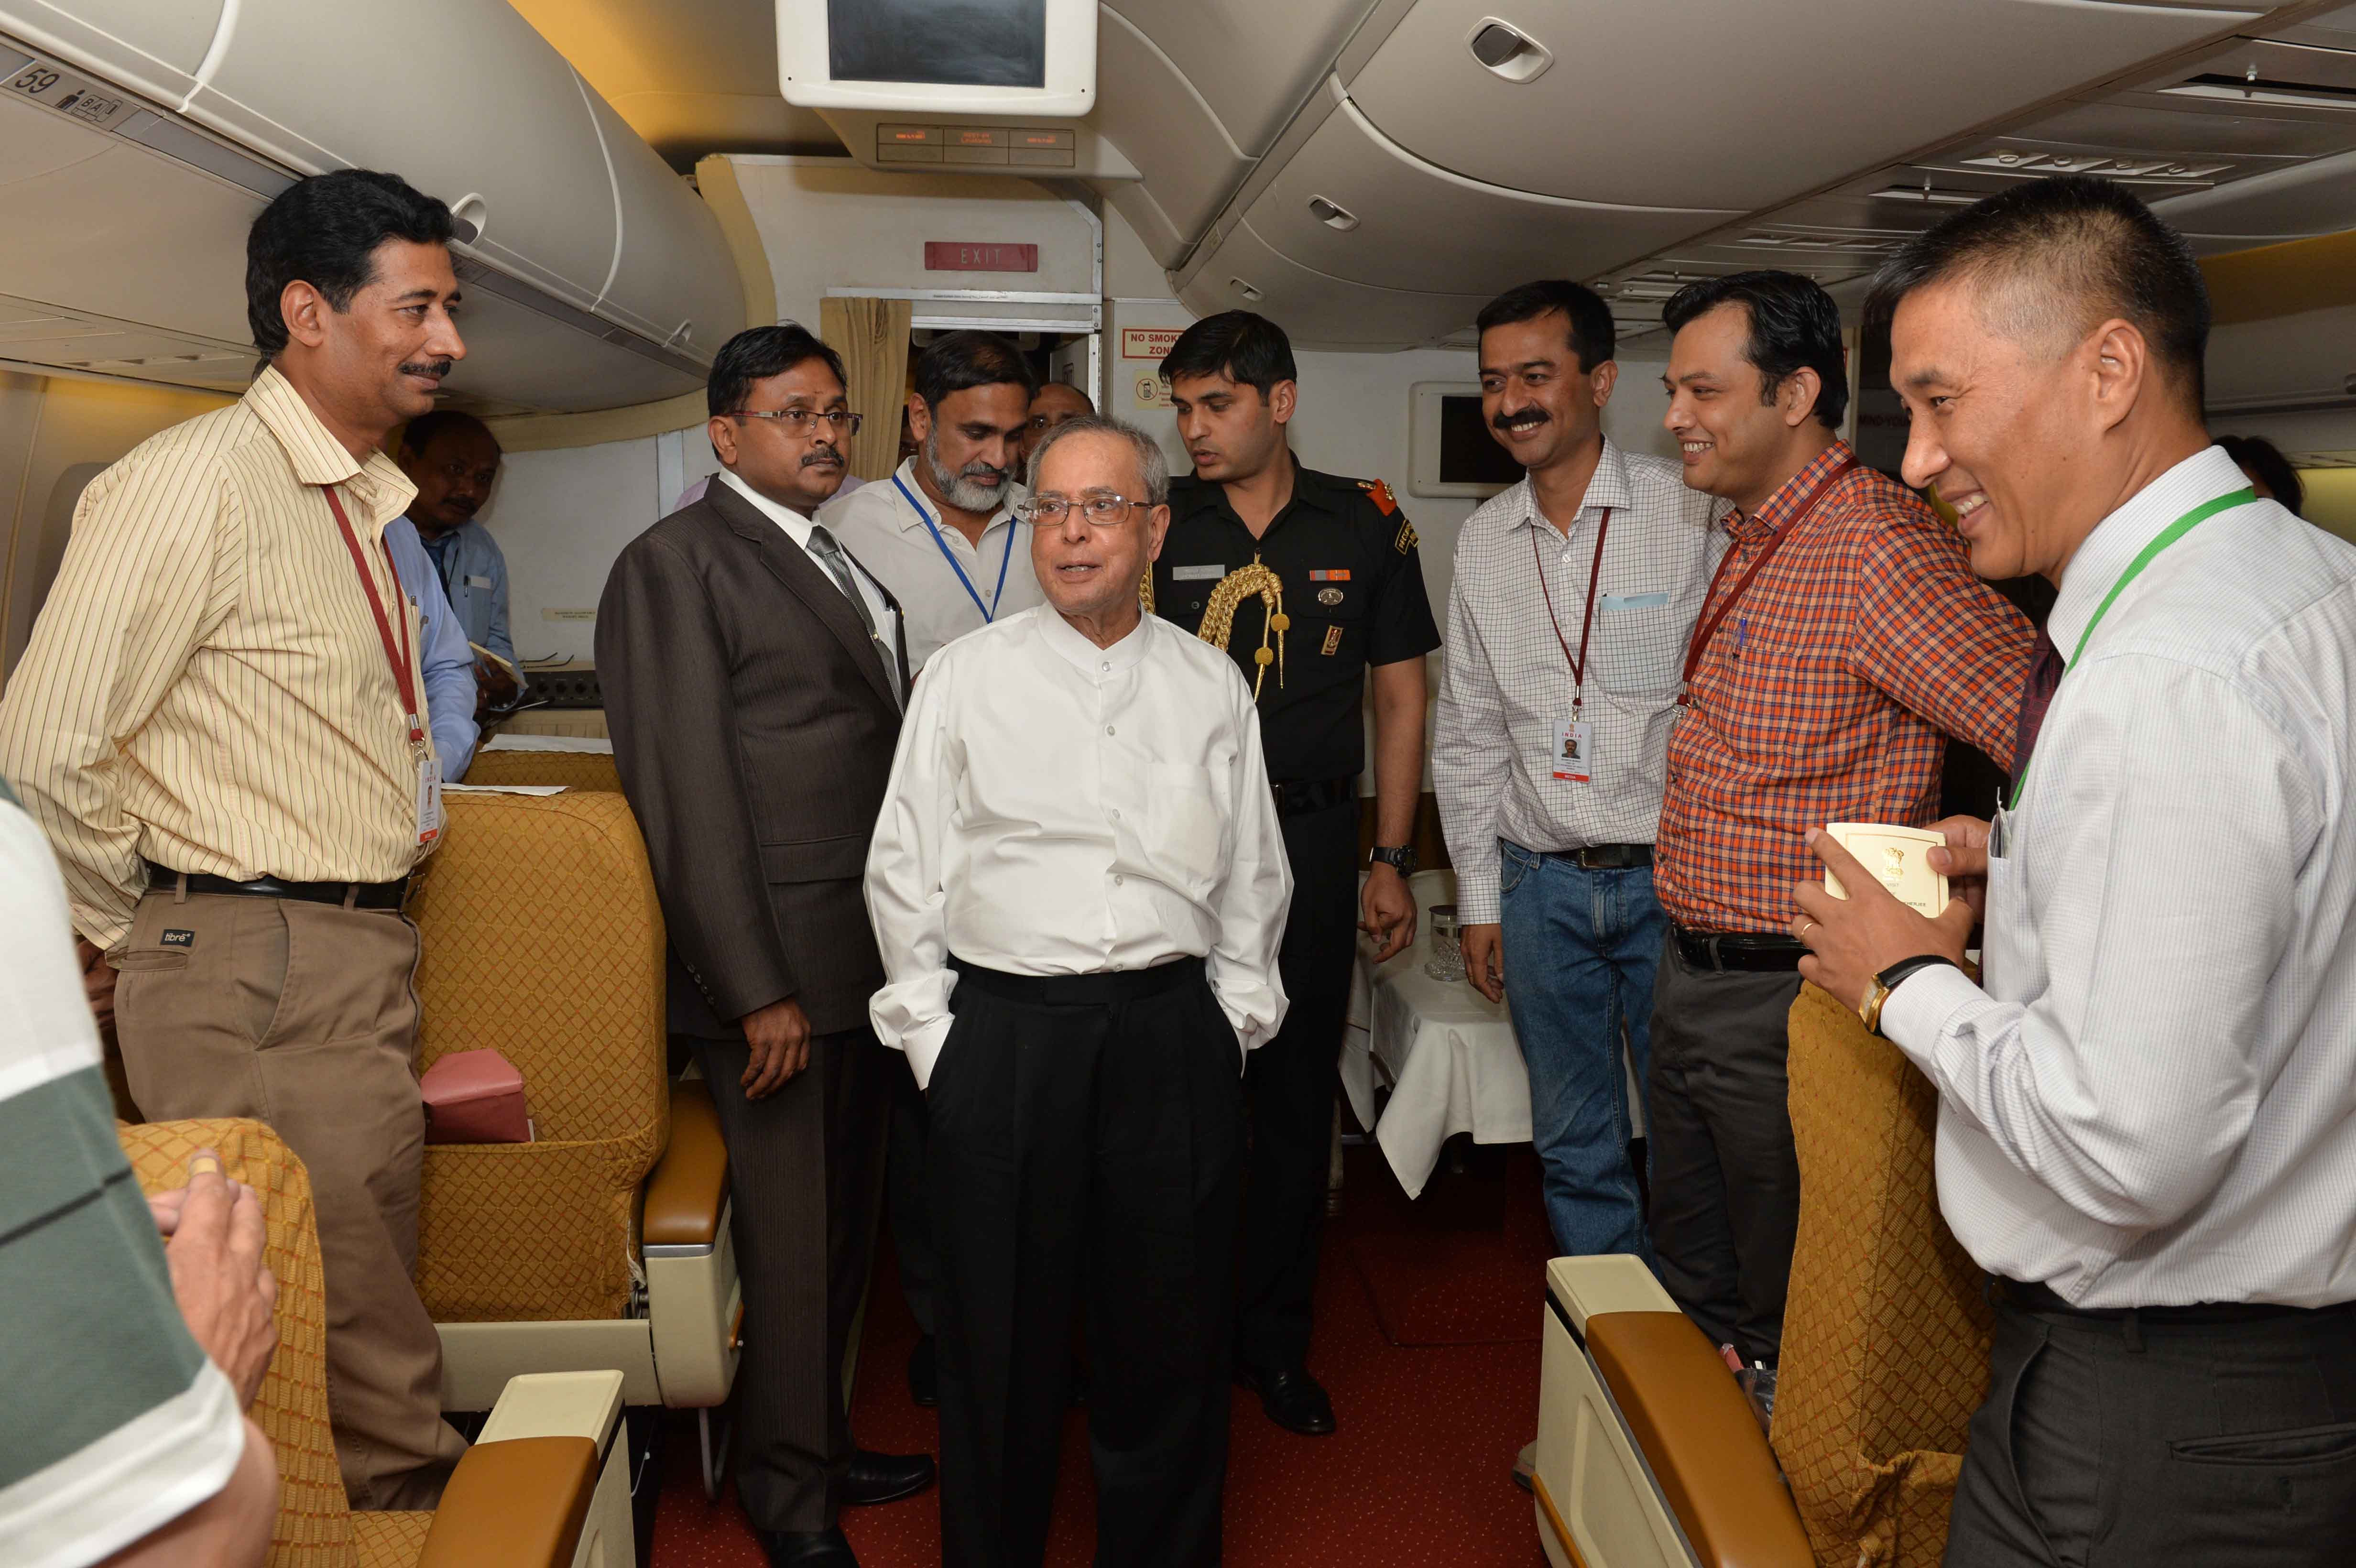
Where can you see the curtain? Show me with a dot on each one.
(871, 335)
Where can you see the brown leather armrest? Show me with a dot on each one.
(1699, 1435)
(690, 1186)
(516, 1504)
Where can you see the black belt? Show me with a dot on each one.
(1749, 950)
(358, 895)
(1080, 990)
(1602, 856)
(1298, 797)
(2043, 1299)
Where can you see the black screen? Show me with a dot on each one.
(951, 43)
(1469, 454)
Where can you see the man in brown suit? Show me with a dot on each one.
(754, 677)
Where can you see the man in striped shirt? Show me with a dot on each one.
(221, 725)
(1842, 641)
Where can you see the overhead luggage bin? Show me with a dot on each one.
(150, 49)
(1252, 62)
(1239, 270)
(1668, 100)
(1353, 204)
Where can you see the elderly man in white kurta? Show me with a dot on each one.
(1079, 887)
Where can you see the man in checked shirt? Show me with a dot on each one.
(1844, 638)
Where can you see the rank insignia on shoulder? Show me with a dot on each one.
(1406, 539)
(1379, 492)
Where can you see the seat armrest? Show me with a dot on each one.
(520, 1503)
(689, 1186)
(1696, 1432)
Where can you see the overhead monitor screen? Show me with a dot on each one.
(1469, 454)
(951, 43)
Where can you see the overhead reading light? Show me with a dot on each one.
(1926, 192)
(1251, 295)
(1332, 215)
(1505, 50)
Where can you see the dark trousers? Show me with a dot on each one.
(1289, 1086)
(904, 1192)
(1726, 1184)
(2109, 1443)
(1086, 1139)
(805, 1167)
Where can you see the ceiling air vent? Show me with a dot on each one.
(1505, 50)
(1332, 215)
(1251, 295)
(2253, 88)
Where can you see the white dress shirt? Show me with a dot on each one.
(2153, 1101)
(1058, 808)
(1505, 684)
(887, 531)
(797, 528)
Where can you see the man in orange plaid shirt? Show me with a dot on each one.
(1844, 639)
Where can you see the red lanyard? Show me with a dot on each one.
(1579, 665)
(399, 659)
(1708, 627)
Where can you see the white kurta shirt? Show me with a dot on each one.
(2153, 1102)
(885, 525)
(1058, 808)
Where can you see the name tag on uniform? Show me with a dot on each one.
(428, 798)
(1634, 601)
(474, 582)
(1574, 751)
(1197, 573)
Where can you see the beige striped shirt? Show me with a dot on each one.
(206, 686)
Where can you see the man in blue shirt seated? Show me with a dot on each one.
(454, 459)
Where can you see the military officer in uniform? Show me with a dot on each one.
(1309, 581)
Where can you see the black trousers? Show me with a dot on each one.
(1086, 1139)
(1290, 1086)
(1726, 1184)
(2109, 1443)
(903, 1192)
(805, 1171)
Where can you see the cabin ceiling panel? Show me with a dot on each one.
(1164, 126)
(1253, 60)
(1318, 310)
(149, 48)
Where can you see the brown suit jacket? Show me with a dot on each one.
(753, 724)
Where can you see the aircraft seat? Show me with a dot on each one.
(1648, 1454)
(605, 1242)
(545, 1486)
(574, 770)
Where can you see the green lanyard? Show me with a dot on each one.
(2150, 553)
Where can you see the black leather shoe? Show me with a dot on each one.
(807, 1549)
(885, 1478)
(923, 1374)
(1294, 1400)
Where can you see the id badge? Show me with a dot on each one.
(428, 798)
(1574, 751)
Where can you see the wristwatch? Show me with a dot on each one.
(1401, 860)
(1889, 980)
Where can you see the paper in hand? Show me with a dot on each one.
(1899, 857)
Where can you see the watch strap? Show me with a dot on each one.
(1889, 980)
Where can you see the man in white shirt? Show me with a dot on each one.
(941, 531)
(1079, 886)
(1574, 593)
(2144, 1128)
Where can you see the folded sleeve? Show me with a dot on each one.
(907, 898)
(1257, 895)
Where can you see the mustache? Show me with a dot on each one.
(1522, 419)
(437, 369)
(981, 470)
(823, 456)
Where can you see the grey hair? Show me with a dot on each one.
(1150, 460)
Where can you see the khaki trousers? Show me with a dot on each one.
(301, 1016)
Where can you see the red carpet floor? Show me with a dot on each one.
(1426, 1336)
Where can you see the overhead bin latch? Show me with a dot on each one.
(1505, 50)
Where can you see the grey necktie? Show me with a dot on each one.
(829, 555)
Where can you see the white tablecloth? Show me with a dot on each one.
(1448, 1053)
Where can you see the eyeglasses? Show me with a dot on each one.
(799, 421)
(1102, 510)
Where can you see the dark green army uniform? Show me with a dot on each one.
(1342, 589)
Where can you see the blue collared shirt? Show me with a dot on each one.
(448, 662)
(475, 575)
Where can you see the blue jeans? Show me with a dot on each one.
(1580, 949)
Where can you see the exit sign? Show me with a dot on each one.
(970, 256)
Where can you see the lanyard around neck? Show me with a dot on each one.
(989, 611)
(1587, 625)
(398, 657)
(2144, 557)
(1708, 627)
